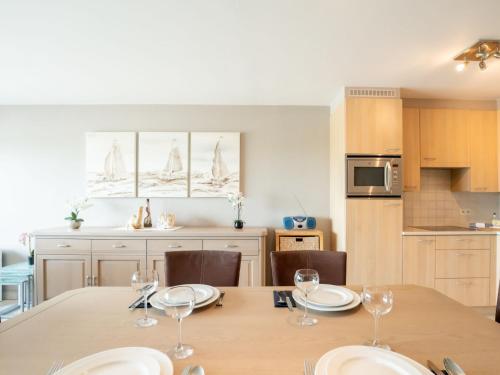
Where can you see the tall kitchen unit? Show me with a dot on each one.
(366, 183)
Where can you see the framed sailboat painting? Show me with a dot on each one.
(111, 160)
(163, 164)
(215, 164)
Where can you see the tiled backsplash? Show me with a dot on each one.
(435, 204)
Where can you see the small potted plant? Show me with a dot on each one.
(237, 201)
(75, 207)
(25, 240)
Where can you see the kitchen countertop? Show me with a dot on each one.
(413, 231)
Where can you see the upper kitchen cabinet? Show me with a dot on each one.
(411, 145)
(374, 126)
(482, 176)
(444, 138)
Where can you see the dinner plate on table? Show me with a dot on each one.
(204, 294)
(357, 359)
(299, 298)
(121, 361)
(331, 295)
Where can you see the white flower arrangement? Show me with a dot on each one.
(237, 200)
(75, 206)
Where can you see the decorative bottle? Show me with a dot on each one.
(147, 219)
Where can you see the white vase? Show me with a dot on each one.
(74, 225)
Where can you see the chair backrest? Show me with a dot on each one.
(331, 266)
(497, 315)
(215, 268)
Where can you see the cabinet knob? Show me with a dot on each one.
(63, 245)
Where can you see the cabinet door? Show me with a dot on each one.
(411, 145)
(444, 138)
(419, 260)
(115, 270)
(56, 274)
(374, 246)
(483, 145)
(374, 126)
(249, 271)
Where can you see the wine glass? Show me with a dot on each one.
(145, 283)
(178, 303)
(307, 281)
(378, 301)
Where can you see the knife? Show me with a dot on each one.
(289, 303)
(434, 368)
(138, 301)
(452, 367)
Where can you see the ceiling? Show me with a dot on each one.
(269, 52)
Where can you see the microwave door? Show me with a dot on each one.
(367, 177)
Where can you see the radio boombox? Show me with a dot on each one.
(299, 222)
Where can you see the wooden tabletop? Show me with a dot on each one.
(248, 335)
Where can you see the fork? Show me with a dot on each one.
(308, 367)
(56, 366)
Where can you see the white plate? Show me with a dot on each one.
(297, 296)
(355, 360)
(202, 292)
(155, 301)
(331, 295)
(121, 361)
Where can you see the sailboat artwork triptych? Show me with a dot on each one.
(164, 167)
(111, 164)
(163, 164)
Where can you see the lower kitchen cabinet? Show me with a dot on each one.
(374, 241)
(115, 270)
(59, 273)
(463, 267)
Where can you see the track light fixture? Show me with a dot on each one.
(480, 52)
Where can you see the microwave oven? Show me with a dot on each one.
(374, 176)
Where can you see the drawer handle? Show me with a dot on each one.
(119, 246)
(231, 246)
(425, 241)
(63, 245)
(392, 149)
(174, 246)
(463, 239)
(464, 254)
(430, 159)
(87, 278)
(392, 204)
(464, 283)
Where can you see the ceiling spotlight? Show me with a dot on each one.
(482, 64)
(460, 67)
(482, 53)
(497, 53)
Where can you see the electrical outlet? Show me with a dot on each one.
(465, 211)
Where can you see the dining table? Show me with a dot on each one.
(247, 335)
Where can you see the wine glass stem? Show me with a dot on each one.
(376, 319)
(179, 334)
(145, 307)
(305, 309)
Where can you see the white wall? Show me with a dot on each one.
(284, 150)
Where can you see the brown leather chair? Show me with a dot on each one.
(331, 266)
(497, 315)
(215, 268)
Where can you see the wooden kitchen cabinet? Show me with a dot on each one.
(117, 269)
(482, 176)
(411, 146)
(374, 244)
(249, 271)
(58, 273)
(374, 126)
(444, 138)
(419, 261)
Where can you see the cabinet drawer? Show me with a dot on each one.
(245, 247)
(470, 292)
(119, 245)
(299, 243)
(462, 263)
(476, 242)
(46, 245)
(160, 246)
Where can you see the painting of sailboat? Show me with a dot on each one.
(163, 164)
(111, 164)
(215, 164)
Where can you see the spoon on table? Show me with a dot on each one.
(193, 370)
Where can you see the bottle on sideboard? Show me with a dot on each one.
(147, 219)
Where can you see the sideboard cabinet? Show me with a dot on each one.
(68, 260)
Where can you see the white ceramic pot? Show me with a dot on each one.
(74, 225)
